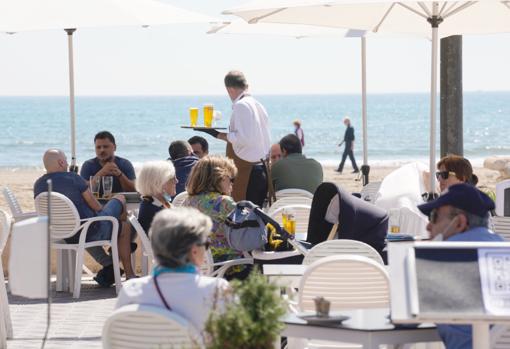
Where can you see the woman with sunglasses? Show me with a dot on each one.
(454, 169)
(210, 187)
(179, 241)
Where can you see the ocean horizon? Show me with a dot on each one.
(144, 126)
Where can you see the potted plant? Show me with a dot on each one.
(250, 320)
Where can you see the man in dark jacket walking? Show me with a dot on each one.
(349, 146)
(181, 155)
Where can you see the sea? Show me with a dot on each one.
(144, 126)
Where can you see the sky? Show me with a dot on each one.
(184, 60)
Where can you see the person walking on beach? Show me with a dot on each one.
(298, 131)
(349, 147)
(248, 140)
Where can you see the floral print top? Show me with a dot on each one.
(217, 207)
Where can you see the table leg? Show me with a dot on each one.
(481, 335)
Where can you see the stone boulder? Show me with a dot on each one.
(499, 163)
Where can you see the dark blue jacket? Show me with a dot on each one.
(358, 219)
(183, 168)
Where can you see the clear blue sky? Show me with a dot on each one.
(183, 60)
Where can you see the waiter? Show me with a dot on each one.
(248, 140)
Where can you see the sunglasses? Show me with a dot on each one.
(433, 216)
(444, 174)
(206, 244)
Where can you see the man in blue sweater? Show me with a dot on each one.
(181, 155)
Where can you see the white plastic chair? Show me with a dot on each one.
(370, 191)
(341, 247)
(302, 215)
(295, 200)
(14, 206)
(147, 254)
(138, 326)
(5, 317)
(66, 222)
(348, 282)
(180, 198)
(501, 226)
(285, 193)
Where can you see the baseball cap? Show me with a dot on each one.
(462, 196)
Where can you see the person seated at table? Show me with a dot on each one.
(461, 213)
(156, 184)
(209, 188)
(106, 163)
(454, 169)
(294, 170)
(183, 160)
(76, 189)
(179, 241)
(275, 154)
(199, 145)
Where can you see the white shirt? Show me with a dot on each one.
(249, 129)
(189, 295)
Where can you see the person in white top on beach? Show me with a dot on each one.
(248, 140)
(179, 241)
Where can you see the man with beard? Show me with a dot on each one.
(106, 163)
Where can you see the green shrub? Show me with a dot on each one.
(251, 321)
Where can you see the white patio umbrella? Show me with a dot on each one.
(31, 15)
(405, 16)
(307, 31)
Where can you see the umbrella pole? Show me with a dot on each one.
(434, 21)
(365, 169)
(73, 167)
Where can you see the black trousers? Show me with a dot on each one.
(348, 153)
(257, 186)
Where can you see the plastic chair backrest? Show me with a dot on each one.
(348, 282)
(179, 198)
(12, 202)
(370, 191)
(65, 219)
(301, 213)
(501, 226)
(5, 229)
(138, 326)
(284, 193)
(341, 247)
(146, 244)
(295, 200)
(208, 267)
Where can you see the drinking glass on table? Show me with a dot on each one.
(107, 186)
(94, 184)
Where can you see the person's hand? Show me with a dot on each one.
(210, 131)
(111, 169)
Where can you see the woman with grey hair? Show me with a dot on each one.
(156, 184)
(179, 241)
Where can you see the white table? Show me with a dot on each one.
(370, 328)
(284, 275)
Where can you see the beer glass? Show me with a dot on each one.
(107, 186)
(208, 115)
(94, 184)
(193, 116)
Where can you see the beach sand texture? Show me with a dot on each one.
(21, 183)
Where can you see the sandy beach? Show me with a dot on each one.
(21, 182)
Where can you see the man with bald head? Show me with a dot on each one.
(275, 154)
(76, 189)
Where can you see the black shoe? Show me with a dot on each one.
(105, 277)
(355, 171)
(338, 170)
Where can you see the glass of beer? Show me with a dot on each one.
(107, 186)
(291, 223)
(394, 220)
(94, 184)
(284, 219)
(193, 116)
(208, 115)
